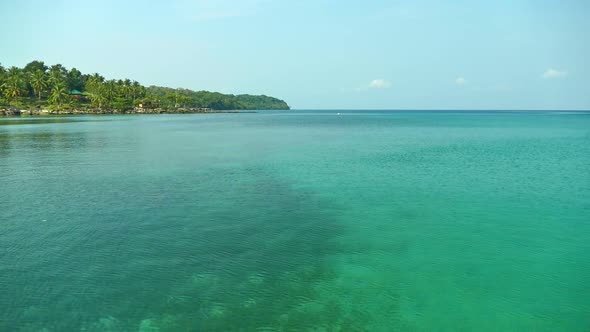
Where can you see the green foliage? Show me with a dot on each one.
(37, 85)
(57, 74)
(173, 98)
(251, 102)
(2, 73)
(122, 104)
(38, 82)
(59, 93)
(34, 66)
(75, 80)
(14, 84)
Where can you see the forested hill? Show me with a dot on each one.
(55, 87)
(215, 100)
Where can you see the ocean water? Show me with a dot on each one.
(296, 221)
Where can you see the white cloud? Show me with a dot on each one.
(554, 73)
(460, 81)
(379, 84)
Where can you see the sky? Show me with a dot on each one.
(322, 54)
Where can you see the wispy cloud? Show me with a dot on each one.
(554, 73)
(379, 84)
(460, 81)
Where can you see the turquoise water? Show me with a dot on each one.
(296, 221)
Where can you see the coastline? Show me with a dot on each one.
(46, 113)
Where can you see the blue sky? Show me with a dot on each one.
(322, 53)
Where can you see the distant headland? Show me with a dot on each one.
(38, 89)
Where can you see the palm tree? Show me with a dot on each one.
(13, 86)
(2, 73)
(127, 87)
(57, 73)
(99, 98)
(58, 94)
(135, 89)
(75, 79)
(110, 90)
(96, 86)
(38, 82)
(93, 83)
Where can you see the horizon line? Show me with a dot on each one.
(440, 109)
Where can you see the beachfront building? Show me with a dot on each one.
(76, 94)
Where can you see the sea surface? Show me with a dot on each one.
(296, 221)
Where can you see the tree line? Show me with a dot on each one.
(38, 86)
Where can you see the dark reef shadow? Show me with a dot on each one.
(224, 249)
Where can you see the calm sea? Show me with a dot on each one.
(296, 221)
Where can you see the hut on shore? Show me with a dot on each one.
(76, 94)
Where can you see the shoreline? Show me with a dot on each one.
(45, 113)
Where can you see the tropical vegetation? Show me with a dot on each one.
(38, 86)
